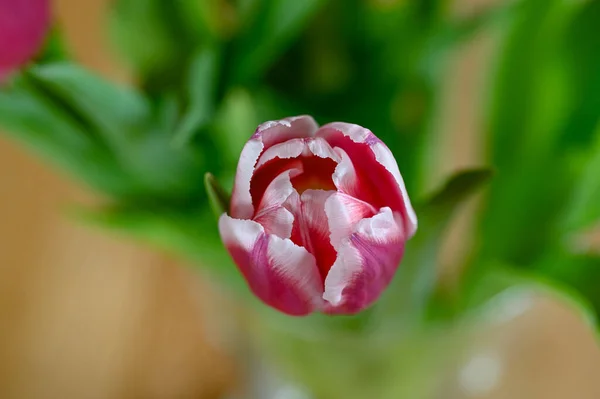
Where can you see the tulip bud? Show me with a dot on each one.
(319, 216)
(23, 26)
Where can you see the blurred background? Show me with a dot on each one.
(85, 314)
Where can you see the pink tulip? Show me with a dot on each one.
(23, 26)
(319, 216)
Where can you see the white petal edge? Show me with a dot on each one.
(265, 136)
(319, 147)
(239, 232)
(384, 156)
(271, 214)
(344, 176)
(241, 200)
(288, 149)
(350, 262)
(343, 213)
(296, 265)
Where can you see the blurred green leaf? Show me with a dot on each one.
(448, 35)
(218, 198)
(58, 134)
(581, 55)
(118, 124)
(584, 209)
(157, 37)
(275, 24)
(54, 48)
(235, 123)
(201, 85)
(122, 120)
(412, 287)
(531, 100)
(579, 271)
(114, 112)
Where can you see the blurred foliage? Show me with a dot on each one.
(206, 73)
(543, 129)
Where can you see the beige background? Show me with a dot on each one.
(85, 315)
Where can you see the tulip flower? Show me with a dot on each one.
(23, 27)
(319, 216)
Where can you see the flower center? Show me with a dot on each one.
(317, 174)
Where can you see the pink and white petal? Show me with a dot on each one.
(343, 213)
(381, 155)
(296, 147)
(280, 273)
(367, 260)
(288, 149)
(271, 214)
(301, 287)
(265, 136)
(239, 233)
(241, 201)
(277, 221)
(313, 219)
(384, 156)
(310, 227)
(356, 133)
(278, 191)
(356, 184)
(275, 132)
(319, 147)
(344, 177)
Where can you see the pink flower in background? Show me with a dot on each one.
(319, 216)
(23, 26)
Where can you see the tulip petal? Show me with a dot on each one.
(310, 229)
(267, 135)
(346, 180)
(279, 272)
(275, 132)
(376, 170)
(343, 213)
(23, 27)
(321, 148)
(366, 263)
(241, 200)
(289, 149)
(271, 214)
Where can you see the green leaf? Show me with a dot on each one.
(122, 119)
(456, 32)
(202, 84)
(115, 112)
(584, 208)
(405, 301)
(531, 102)
(580, 46)
(52, 130)
(235, 122)
(157, 37)
(54, 48)
(274, 27)
(218, 198)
